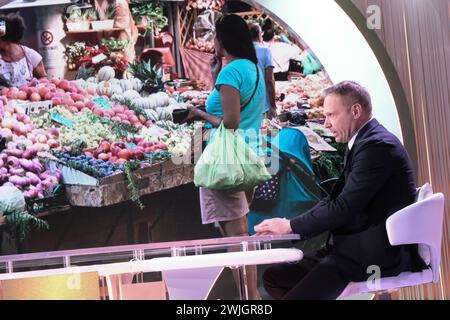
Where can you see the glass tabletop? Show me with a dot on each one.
(111, 254)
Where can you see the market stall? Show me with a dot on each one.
(108, 136)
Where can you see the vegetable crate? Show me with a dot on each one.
(114, 189)
(58, 199)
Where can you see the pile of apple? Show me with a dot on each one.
(59, 91)
(121, 152)
(119, 113)
(17, 127)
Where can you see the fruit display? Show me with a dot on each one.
(126, 150)
(304, 92)
(200, 45)
(94, 167)
(205, 4)
(196, 98)
(19, 161)
(315, 113)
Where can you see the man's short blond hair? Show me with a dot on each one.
(352, 93)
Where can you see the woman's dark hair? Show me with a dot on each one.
(152, 56)
(233, 34)
(15, 27)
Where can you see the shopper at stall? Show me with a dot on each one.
(237, 100)
(124, 20)
(282, 54)
(266, 64)
(18, 63)
(377, 180)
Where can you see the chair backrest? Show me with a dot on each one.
(424, 192)
(420, 223)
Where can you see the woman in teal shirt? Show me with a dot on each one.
(238, 100)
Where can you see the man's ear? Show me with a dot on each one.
(356, 111)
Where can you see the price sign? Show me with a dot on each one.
(102, 103)
(130, 145)
(60, 119)
(99, 58)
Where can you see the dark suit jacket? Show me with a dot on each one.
(377, 180)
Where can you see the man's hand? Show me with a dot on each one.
(274, 226)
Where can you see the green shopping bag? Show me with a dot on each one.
(229, 164)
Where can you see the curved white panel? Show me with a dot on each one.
(341, 48)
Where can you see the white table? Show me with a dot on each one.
(189, 271)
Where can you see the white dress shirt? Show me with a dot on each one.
(352, 140)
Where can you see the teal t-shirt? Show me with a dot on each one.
(241, 74)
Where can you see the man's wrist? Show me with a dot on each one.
(288, 226)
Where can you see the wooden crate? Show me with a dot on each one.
(114, 189)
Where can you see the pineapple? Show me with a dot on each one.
(152, 82)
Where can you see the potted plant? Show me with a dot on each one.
(149, 15)
(109, 22)
(76, 20)
(114, 44)
(73, 54)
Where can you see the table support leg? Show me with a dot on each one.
(242, 278)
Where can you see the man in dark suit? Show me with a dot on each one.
(377, 181)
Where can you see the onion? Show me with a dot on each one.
(30, 166)
(6, 133)
(3, 170)
(11, 145)
(31, 194)
(8, 123)
(30, 127)
(17, 172)
(3, 156)
(13, 162)
(1, 163)
(30, 152)
(14, 152)
(17, 181)
(33, 178)
(47, 184)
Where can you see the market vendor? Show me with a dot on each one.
(18, 63)
(123, 19)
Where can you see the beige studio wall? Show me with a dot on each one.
(400, 50)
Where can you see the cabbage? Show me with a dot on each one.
(11, 200)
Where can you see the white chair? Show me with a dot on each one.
(419, 223)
